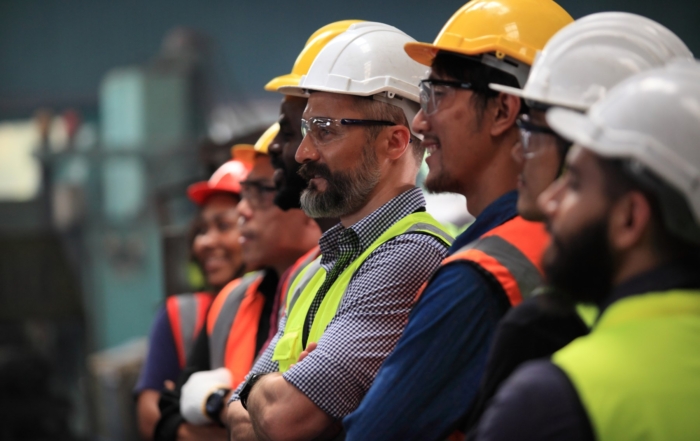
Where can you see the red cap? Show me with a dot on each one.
(226, 179)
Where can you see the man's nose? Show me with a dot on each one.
(420, 123)
(245, 210)
(307, 151)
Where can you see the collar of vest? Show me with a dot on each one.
(651, 305)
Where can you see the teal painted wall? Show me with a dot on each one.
(56, 52)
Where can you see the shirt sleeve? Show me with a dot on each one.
(367, 325)
(429, 381)
(161, 360)
(538, 402)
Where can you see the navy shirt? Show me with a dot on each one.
(161, 361)
(428, 383)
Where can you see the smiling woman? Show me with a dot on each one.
(216, 248)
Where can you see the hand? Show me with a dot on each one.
(309, 348)
(195, 392)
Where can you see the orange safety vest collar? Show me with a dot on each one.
(186, 313)
(232, 325)
(512, 254)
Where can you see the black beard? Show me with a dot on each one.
(582, 266)
(289, 190)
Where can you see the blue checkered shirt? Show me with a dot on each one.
(373, 311)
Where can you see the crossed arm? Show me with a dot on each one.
(278, 411)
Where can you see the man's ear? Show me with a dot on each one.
(630, 221)
(397, 141)
(505, 110)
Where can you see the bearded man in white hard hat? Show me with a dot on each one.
(347, 309)
(576, 68)
(625, 225)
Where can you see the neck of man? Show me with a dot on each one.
(635, 262)
(326, 223)
(498, 177)
(385, 191)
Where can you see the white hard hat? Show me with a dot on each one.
(585, 59)
(366, 60)
(652, 120)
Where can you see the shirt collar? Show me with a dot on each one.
(369, 228)
(496, 213)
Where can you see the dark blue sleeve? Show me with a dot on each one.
(427, 384)
(537, 403)
(161, 361)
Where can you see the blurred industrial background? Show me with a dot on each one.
(108, 110)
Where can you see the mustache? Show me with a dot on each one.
(310, 170)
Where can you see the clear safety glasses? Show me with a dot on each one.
(258, 194)
(534, 139)
(326, 130)
(433, 92)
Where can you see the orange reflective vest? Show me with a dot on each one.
(186, 313)
(511, 254)
(232, 325)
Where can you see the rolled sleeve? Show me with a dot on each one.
(369, 322)
(427, 384)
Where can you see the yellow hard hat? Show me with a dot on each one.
(246, 152)
(314, 44)
(514, 28)
(266, 138)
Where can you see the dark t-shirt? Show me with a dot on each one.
(161, 361)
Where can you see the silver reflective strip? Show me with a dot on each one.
(431, 228)
(313, 268)
(187, 307)
(224, 321)
(526, 274)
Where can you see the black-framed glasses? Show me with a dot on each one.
(258, 194)
(532, 145)
(325, 130)
(434, 91)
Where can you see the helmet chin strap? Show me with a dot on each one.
(410, 108)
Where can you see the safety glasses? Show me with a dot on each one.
(326, 130)
(258, 194)
(535, 138)
(433, 92)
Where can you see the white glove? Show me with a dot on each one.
(194, 394)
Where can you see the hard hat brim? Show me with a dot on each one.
(515, 91)
(289, 80)
(199, 192)
(424, 53)
(579, 129)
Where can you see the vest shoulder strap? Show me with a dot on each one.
(222, 314)
(511, 253)
(186, 313)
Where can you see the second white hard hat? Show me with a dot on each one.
(366, 60)
(586, 58)
(652, 120)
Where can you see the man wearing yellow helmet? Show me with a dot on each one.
(428, 383)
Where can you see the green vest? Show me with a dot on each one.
(638, 372)
(307, 283)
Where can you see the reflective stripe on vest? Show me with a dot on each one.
(232, 325)
(297, 268)
(186, 313)
(307, 283)
(638, 372)
(511, 253)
